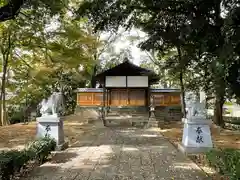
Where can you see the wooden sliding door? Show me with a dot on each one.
(127, 97)
(118, 97)
(137, 97)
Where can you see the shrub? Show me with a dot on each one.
(41, 148)
(17, 118)
(13, 161)
(15, 115)
(226, 162)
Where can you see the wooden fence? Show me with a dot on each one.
(167, 99)
(135, 98)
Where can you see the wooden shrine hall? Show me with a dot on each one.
(128, 86)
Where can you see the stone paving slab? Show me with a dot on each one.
(120, 153)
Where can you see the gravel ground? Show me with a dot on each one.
(119, 153)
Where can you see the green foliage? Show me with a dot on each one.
(41, 148)
(15, 115)
(43, 59)
(11, 162)
(205, 34)
(14, 161)
(226, 162)
(55, 6)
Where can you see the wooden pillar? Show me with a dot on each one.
(148, 98)
(128, 99)
(104, 101)
(92, 98)
(148, 95)
(104, 97)
(107, 99)
(128, 96)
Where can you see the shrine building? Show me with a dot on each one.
(127, 87)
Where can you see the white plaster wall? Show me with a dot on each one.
(115, 81)
(137, 81)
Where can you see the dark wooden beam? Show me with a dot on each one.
(110, 97)
(148, 96)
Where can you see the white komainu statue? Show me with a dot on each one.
(53, 105)
(194, 108)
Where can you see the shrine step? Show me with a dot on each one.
(153, 124)
(133, 121)
(126, 118)
(131, 111)
(111, 114)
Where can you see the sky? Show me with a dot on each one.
(123, 43)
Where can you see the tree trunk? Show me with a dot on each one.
(5, 58)
(183, 104)
(4, 120)
(220, 91)
(218, 110)
(93, 80)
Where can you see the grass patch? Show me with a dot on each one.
(226, 162)
(222, 139)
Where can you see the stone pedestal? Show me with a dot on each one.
(152, 122)
(152, 113)
(53, 126)
(196, 136)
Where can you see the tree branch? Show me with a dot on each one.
(10, 10)
(23, 60)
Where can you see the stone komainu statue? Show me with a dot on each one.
(197, 110)
(193, 107)
(53, 105)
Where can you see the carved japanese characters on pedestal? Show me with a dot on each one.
(199, 135)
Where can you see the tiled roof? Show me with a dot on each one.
(128, 69)
(90, 90)
(164, 90)
(101, 90)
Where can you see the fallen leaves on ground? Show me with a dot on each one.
(222, 138)
(18, 135)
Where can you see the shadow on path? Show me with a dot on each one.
(119, 153)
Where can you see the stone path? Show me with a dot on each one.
(119, 153)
